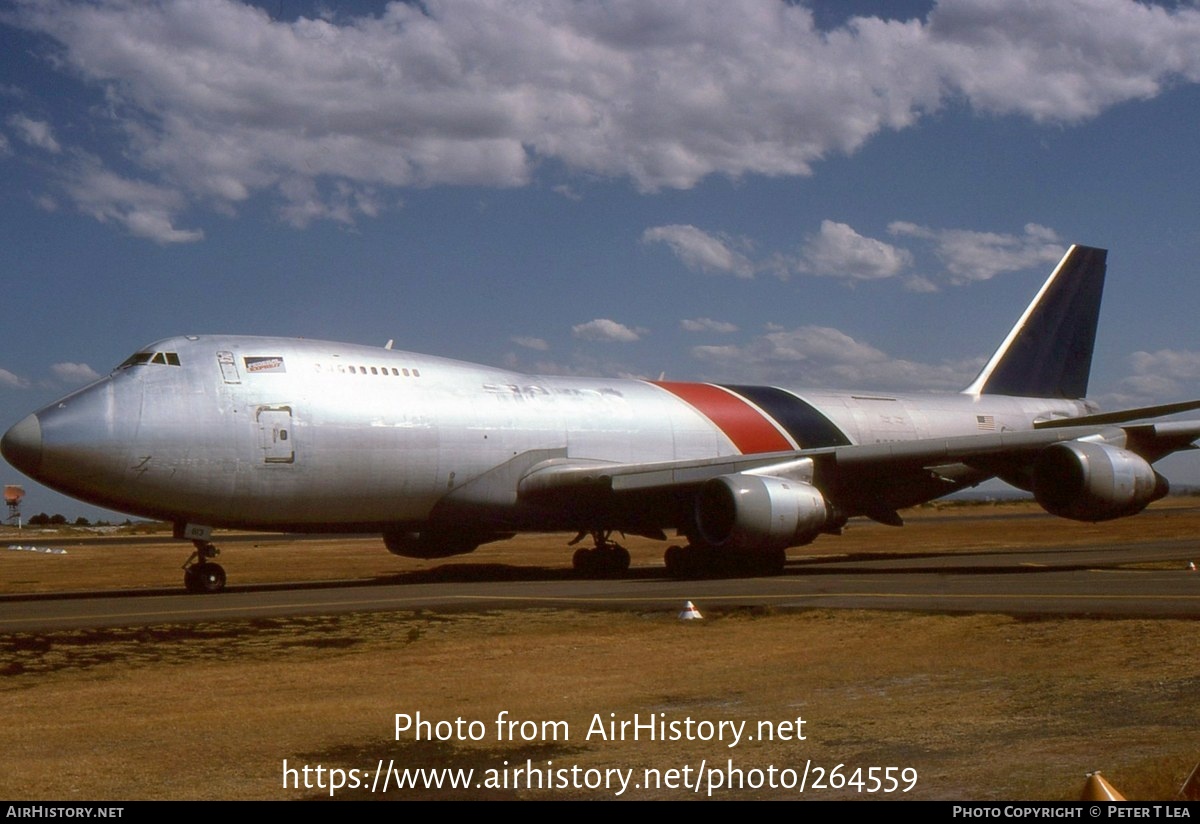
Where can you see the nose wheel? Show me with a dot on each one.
(199, 573)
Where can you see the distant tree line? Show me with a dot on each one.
(42, 519)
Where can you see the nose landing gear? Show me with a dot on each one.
(199, 573)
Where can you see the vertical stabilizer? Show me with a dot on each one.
(1048, 354)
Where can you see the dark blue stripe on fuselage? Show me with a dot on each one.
(803, 421)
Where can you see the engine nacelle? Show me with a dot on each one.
(430, 544)
(1094, 482)
(759, 512)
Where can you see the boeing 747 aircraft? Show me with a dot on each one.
(442, 456)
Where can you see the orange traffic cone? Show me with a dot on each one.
(690, 613)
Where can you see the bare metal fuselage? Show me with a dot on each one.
(271, 433)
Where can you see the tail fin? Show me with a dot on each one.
(1048, 354)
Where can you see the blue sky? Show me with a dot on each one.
(806, 194)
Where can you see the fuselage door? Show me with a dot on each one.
(275, 434)
(229, 370)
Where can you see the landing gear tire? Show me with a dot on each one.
(686, 562)
(199, 573)
(205, 577)
(704, 562)
(605, 559)
(676, 561)
(770, 562)
(582, 560)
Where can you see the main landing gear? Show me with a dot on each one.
(199, 573)
(606, 558)
(701, 561)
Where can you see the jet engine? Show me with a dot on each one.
(1094, 482)
(753, 512)
(431, 543)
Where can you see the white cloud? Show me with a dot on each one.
(835, 251)
(37, 133)
(530, 343)
(603, 329)
(975, 256)
(840, 252)
(217, 100)
(5, 147)
(1062, 61)
(700, 250)
(12, 381)
(1162, 376)
(919, 283)
(707, 325)
(823, 357)
(305, 203)
(144, 209)
(74, 372)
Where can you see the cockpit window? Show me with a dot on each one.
(143, 358)
(136, 359)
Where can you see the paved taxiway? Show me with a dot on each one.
(1089, 581)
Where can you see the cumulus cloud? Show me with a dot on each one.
(12, 381)
(835, 251)
(603, 329)
(530, 343)
(840, 252)
(1165, 375)
(37, 133)
(973, 256)
(822, 356)
(707, 325)
(218, 100)
(74, 372)
(700, 250)
(1061, 62)
(145, 209)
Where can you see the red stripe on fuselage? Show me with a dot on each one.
(744, 424)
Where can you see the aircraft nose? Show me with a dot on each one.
(22, 445)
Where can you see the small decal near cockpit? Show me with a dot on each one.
(272, 363)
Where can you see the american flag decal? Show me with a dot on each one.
(986, 422)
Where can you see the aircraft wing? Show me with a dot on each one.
(872, 479)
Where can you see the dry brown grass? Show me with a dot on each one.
(119, 563)
(983, 706)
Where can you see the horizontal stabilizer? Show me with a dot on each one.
(1121, 415)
